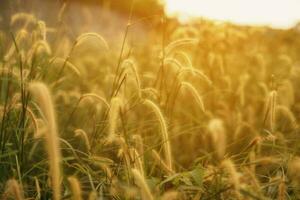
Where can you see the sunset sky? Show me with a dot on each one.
(276, 13)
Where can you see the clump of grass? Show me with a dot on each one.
(44, 99)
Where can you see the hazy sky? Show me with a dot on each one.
(276, 13)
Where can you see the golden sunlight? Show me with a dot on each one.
(277, 13)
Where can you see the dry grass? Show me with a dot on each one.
(162, 110)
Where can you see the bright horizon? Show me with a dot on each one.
(276, 13)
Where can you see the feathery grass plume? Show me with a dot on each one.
(37, 187)
(13, 189)
(141, 183)
(195, 94)
(84, 36)
(67, 63)
(217, 137)
(161, 163)
(179, 43)
(21, 16)
(115, 107)
(82, 133)
(170, 195)
(44, 99)
(163, 131)
(233, 176)
(75, 188)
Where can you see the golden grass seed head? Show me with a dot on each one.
(42, 94)
(163, 131)
(75, 188)
(115, 108)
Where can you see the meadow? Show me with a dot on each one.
(203, 110)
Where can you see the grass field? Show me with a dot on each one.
(203, 110)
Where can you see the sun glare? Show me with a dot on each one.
(275, 13)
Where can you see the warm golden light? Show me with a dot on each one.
(276, 13)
